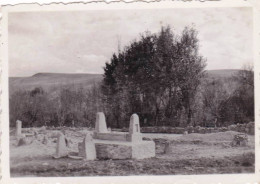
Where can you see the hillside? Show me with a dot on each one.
(53, 81)
(224, 73)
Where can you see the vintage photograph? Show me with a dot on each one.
(126, 92)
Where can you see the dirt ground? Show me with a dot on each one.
(187, 154)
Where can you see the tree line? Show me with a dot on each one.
(161, 77)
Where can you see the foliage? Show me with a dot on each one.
(160, 77)
(68, 107)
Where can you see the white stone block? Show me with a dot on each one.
(134, 126)
(18, 128)
(87, 148)
(61, 149)
(101, 125)
(143, 149)
(124, 150)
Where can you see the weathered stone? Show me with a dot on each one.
(42, 129)
(124, 150)
(45, 140)
(120, 145)
(134, 129)
(55, 134)
(61, 150)
(116, 136)
(69, 142)
(134, 126)
(134, 137)
(24, 141)
(240, 140)
(18, 128)
(224, 129)
(110, 150)
(143, 149)
(87, 148)
(101, 125)
(167, 147)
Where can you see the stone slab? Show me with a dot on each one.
(134, 137)
(118, 136)
(124, 150)
(144, 149)
(110, 136)
(87, 149)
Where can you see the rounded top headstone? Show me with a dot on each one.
(134, 126)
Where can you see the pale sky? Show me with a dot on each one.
(82, 41)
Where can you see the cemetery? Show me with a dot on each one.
(49, 151)
(136, 92)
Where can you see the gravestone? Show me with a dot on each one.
(87, 148)
(24, 141)
(185, 133)
(134, 126)
(18, 128)
(100, 126)
(45, 140)
(166, 147)
(120, 145)
(61, 150)
(134, 129)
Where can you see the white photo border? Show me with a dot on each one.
(212, 178)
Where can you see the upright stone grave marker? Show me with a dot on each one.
(61, 150)
(101, 126)
(18, 128)
(134, 128)
(87, 148)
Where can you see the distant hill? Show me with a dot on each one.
(54, 81)
(224, 73)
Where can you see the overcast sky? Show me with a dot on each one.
(81, 42)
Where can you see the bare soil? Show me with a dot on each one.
(187, 154)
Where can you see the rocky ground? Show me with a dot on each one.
(185, 154)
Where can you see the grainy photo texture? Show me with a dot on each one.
(131, 92)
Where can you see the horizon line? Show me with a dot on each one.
(70, 73)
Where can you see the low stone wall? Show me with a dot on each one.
(248, 128)
(174, 130)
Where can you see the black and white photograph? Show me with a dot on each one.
(131, 92)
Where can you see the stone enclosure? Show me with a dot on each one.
(121, 145)
(100, 144)
(128, 144)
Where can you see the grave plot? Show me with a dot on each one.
(121, 145)
(115, 145)
(98, 152)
